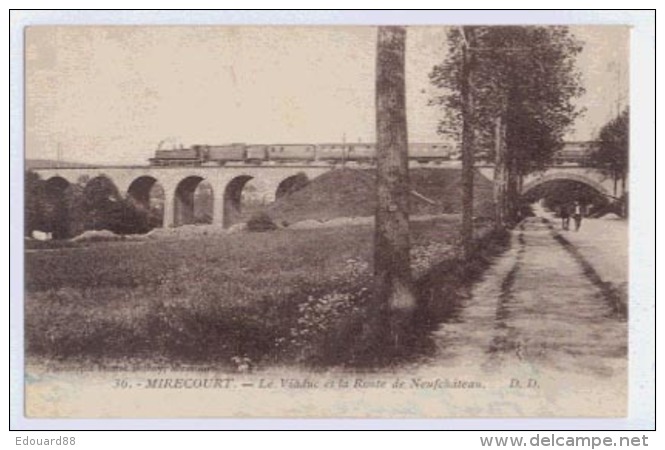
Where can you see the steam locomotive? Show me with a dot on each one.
(334, 153)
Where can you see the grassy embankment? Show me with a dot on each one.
(351, 193)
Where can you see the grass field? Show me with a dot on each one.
(278, 297)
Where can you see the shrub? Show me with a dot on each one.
(261, 222)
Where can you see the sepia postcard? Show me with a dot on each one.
(259, 221)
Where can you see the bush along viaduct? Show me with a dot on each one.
(179, 183)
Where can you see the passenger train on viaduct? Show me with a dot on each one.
(574, 153)
(213, 155)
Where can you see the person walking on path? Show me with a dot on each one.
(565, 217)
(577, 215)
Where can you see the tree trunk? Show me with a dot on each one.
(499, 174)
(467, 143)
(623, 201)
(393, 283)
(511, 190)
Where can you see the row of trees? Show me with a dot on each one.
(611, 156)
(507, 94)
(68, 210)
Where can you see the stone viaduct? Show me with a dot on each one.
(227, 183)
(179, 184)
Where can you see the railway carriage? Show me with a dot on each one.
(361, 152)
(331, 152)
(575, 153)
(291, 152)
(427, 152)
(257, 153)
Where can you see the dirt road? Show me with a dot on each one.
(538, 305)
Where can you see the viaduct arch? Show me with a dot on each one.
(595, 180)
(585, 175)
(139, 190)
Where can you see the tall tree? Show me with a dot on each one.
(393, 290)
(468, 135)
(524, 76)
(611, 155)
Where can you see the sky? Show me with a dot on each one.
(111, 94)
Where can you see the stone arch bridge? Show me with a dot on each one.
(589, 176)
(227, 183)
(179, 184)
